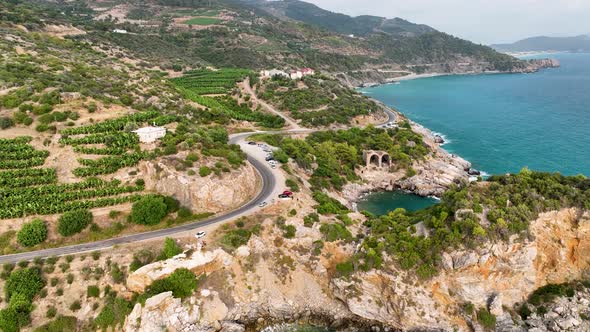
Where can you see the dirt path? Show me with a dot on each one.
(268, 107)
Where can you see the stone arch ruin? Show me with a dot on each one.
(380, 159)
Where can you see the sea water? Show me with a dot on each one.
(504, 122)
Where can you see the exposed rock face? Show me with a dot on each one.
(198, 262)
(212, 193)
(495, 276)
(534, 65)
(564, 314)
(162, 312)
(262, 286)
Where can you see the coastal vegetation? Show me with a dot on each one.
(320, 102)
(507, 202)
(333, 156)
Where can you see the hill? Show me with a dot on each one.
(340, 23)
(534, 44)
(241, 34)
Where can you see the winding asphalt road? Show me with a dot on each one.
(269, 184)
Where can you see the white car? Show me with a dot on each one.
(200, 234)
(273, 166)
(263, 204)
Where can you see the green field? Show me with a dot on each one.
(207, 82)
(27, 190)
(202, 21)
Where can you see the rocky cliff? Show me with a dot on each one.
(264, 283)
(434, 174)
(461, 66)
(212, 193)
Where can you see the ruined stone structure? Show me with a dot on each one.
(377, 158)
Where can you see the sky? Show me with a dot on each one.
(481, 21)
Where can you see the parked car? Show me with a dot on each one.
(273, 166)
(269, 158)
(283, 196)
(251, 143)
(288, 193)
(263, 204)
(200, 234)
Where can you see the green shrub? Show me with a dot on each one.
(32, 233)
(6, 122)
(310, 219)
(486, 319)
(24, 281)
(51, 312)
(92, 291)
(289, 231)
(204, 171)
(181, 283)
(344, 269)
(184, 213)
(73, 222)
(75, 306)
(117, 274)
(172, 204)
(334, 232)
(292, 185)
(60, 324)
(327, 204)
(113, 313)
(149, 210)
(170, 250)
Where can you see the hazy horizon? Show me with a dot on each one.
(481, 21)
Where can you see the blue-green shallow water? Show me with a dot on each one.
(501, 123)
(383, 202)
(504, 122)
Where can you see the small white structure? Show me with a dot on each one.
(150, 134)
(296, 74)
(273, 72)
(119, 31)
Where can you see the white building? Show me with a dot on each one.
(273, 72)
(296, 74)
(119, 31)
(150, 134)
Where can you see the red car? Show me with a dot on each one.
(287, 193)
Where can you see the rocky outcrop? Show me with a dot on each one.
(496, 276)
(196, 261)
(534, 65)
(163, 312)
(264, 283)
(211, 193)
(564, 314)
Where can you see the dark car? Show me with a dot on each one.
(269, 158)
(251, 143)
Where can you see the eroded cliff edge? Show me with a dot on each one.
(263, 283)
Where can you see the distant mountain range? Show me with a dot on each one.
(536, 44)
(341, 23)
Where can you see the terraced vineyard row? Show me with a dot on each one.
(119, 146)
(18, 153)
(29, 191)
(203, 82)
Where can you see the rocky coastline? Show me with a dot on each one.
(434, 175)
(376, 77)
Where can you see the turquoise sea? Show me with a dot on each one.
(504, 122)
